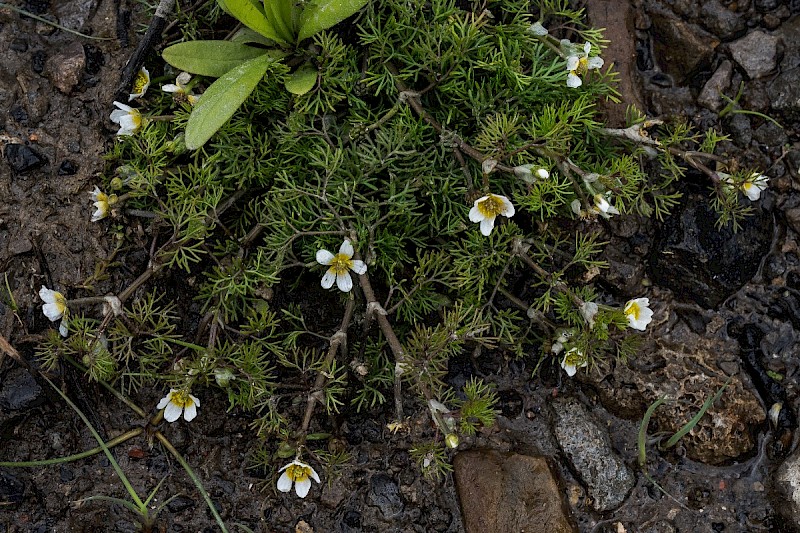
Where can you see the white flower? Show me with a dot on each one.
(340, 266)
(298, 474)
(528, 175)
(579, 64)
(177, 402)
(573, 360)
(486, 209)
(103, 203)
(537, 29)
(638, 313)
(55, 305)
(588, 311)
(128, 118)
(140, 84)
(179, 90)
(753, 186)
(602, 207)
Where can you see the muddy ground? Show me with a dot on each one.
(55, 97)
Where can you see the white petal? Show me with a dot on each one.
(164, 401)
(346, 249)
(595, 62)
(63, 329)
(183, 78)
(543, 173)
(195, 399)
(359, 267)
(285, 482)
(117, 115)
(53, 311)
(328, 279)
(587, 47)
(487, 225)
(122, 106)
(573, 81)
(47, 295)
(313, 474)
(569, 369)
(344, 282)
(96, 192)
(171, 88)
(508, 208)
(302, 487)
(324, 257)
(189, 412)
(475, 214)
(572, 63)
(172, 412)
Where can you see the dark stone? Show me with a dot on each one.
(679, 47)
(721, 21)
(784, 93)
(19, 45)
(510, 403)
(180, 504)
(19, 390)
(700, 262)
(12, 490)
(19, 114)
(771, 135)
(67, 168)
(22, 158)
(38, 59)
(764, 6)
(37, 7)
(740, 129)
(66, 474)
(94, 59)
(385, 495)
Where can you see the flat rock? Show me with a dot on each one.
(508, 492)
(711, 95)
(587, 446)
(756, 53)
(703, 263)
(680, 47)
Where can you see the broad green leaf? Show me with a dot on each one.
(322, 14)
(223, 98)
(246, 35)
(209, 58)
(282, 25)
(251, 15)
(301, 80)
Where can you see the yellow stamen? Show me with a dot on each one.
(139, 82)
(340, 264)
(491, 206)
(574, 359)
(298, 473)
(181, 399)
(633, 309)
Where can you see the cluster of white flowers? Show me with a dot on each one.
(752, 187)
(102, 203)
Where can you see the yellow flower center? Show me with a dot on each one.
(574, 358)
(137, 118)
(583, 65)
(139, 82)
(340, 264)
(633, 309)
(181, 399)
(61, 302)
(298, 472)
(491, 206)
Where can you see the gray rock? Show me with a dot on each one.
(721, 21)
(65, 68)
(74, 13)
(787, 484)
(586, 444)
(385, 495)
(679, 46)
(788, 33)
(703, 263)
(771, 135)
(784, 93)
(501, 492)
(740, 129)
(711, 95)
(756, 53)
(19, 390)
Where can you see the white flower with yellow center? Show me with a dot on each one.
(298, 474)
(573, 360)
(179, 401)
(638, 313)
(602, 206)
(579, 64)
(103, 203)
(753, 186)
(340, 266)
(54, 308)
(140, 84)
(179, 91)
(486, 208)
(128, 118)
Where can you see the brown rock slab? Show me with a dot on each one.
(680, 47)
(508, 492)
(65, 67)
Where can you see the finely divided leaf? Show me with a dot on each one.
(209, 58)
(302, 80)
(322, 14)
(222, 99)
(252, 16)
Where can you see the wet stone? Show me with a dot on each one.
(501, 492)
(703, 263)
(19, 390)
(38, 59)
(586, 444)
(22, 158)
(19, 45)
(385, 495)
(710, 97)
(756, 53)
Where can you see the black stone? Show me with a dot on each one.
(67, 168)
(12, 490)
(19, 390)
(180, 503)
(18, 113)
(19, 45)
(22, 158)
(703, 263)
(385, 495)
(38, 59)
